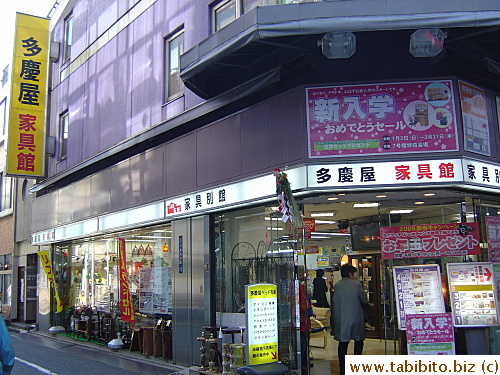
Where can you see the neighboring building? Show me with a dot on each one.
(170, 117)
(7, 184)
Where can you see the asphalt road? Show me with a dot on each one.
(36, 354)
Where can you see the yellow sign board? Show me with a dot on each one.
(262, 323)
(26, 135)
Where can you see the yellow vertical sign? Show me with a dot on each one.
(47, 266)
(261, 312)
(26, 135)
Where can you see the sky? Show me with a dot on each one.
(8, 11)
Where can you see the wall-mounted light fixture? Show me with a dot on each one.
(427, 42)
(338, 45)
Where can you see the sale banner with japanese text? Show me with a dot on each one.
(493, 235)
(430, 334)
(46, 264)
(26, 134)
(382, 118)
(261, 313)
(431, 240)
(126, 306)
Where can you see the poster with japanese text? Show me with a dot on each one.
(430, 334)
(383, 118)
(261, 323)
(473, 292)
(493, 236)
(418, 291)
(475, 119)
(431, 240)
(155, 290)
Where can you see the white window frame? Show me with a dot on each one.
(223, 4)
(174, 87)
(63, 135)
(3, 117)
(68, 37)
(6, 184)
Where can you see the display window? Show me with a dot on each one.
(88, 275)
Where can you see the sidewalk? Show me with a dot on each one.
(137, 357)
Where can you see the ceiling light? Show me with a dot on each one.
(427, 42)
(381, 196)
(341, 194)
(400, 211)
(365, 205)
(338, 45)
(419, 202)
(332, 199)
(318, 214)
(319, 237)
(324, 222)
(429, 194)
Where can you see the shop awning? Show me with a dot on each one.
(270, 36)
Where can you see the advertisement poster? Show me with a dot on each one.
(383, 118)
(475, 119)
(493, 235)
(430, 334)
(418, 290)
(262, 323)
(431, 240)
(496, 272)
(155, 290)
(474, 298)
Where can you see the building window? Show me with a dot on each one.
(174, 49)
(68, 36)
(224, 13)
(3, 116)
(5, 75)
(5, 193)
(63, 135)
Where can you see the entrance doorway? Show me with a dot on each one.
(369, 276)
(20, 293)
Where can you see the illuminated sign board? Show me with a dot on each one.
(262, 323)
(474, 299)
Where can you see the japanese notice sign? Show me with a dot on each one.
(155, 290)
(493, 235)
(418, 291)
(475, 119)
(431, 240)
(383, 118)
(126, 306)
(46, 264)
(262, 323)
(26, 140)
(430, 334)
(473, 293)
